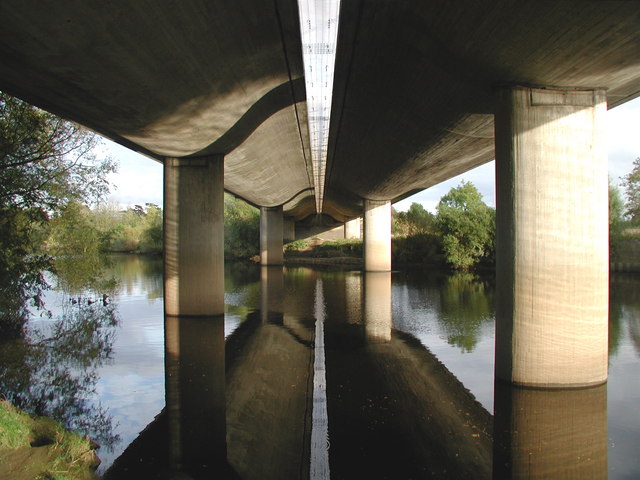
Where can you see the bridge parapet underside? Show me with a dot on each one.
(422, 91)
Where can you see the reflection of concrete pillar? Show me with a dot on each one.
(271, 293)
(271, 235)
(377, 236)
(552, 243)
(195, 393)
(172, 389)
(193, 236)
(352, 228)
(353, 297)
(550, 433)
(377, 306)
(289, 229)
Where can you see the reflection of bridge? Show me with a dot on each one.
(422, 91)
(394, 409)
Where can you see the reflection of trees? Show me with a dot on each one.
(135, 272)
(466, 302)
(77, 274)
(624, 308)
(634, 327)
(53, 371)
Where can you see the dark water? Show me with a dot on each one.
(319, 374)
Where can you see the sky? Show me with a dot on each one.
(139, 178)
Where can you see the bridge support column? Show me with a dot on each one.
(377, 235)
(352, 228)
(552, 237)
(271, 229)
(288, 229)
(194, 236)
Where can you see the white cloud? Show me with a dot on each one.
(138, 180)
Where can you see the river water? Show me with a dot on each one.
(318, 373)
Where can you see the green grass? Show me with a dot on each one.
(15, 429)
(69, 456)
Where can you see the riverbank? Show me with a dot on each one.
(39, 448)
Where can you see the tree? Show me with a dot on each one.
(467, 226)
(241, 228)
(616, 214)
(45, 163)
(631, 182)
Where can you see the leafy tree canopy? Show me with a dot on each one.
(467, 226)
(45, 163)
(632, 184)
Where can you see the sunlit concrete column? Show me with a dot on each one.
(377, 306)
(552, 237)
(352, 228)
(559, 433)
(288, 229)
(194, 236)
(377, 236)
(195, 394)
(271, 236)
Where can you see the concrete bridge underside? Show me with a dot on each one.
(422, 91)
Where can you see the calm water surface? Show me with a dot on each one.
(322, 374)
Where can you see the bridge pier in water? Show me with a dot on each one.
(194, 236)
(271, 235)
(377, 235)
(552, 237)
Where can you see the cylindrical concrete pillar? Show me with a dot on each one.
(271, 229)
(377, 235)
(552, 237)
(289, 229)
(542, 433)
(352, 228)
(194, 236)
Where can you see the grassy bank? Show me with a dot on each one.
(39, 448)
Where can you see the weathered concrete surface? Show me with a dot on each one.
(271, 236)
(194, 236)
(414, 94)
(377, 236)
(552, 242)
(413, 98)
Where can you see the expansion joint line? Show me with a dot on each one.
(319, 34)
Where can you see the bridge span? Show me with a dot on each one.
(219, 92)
